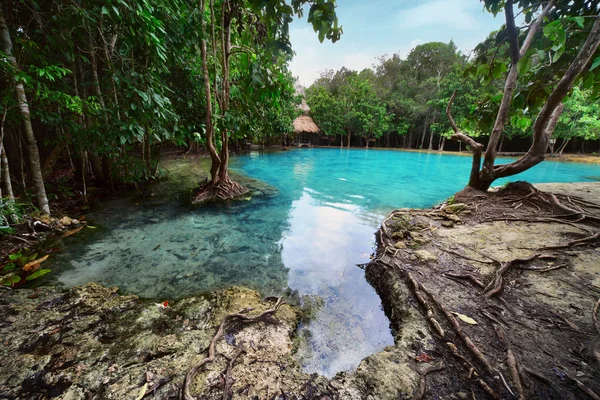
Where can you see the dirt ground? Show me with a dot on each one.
(508, 283)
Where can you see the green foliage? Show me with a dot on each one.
(21, 269)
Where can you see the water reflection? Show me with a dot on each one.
(350, 307)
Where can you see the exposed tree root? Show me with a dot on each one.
(495, 286)
(515, 203)
(429, 311)
(582, 387)
(423, 380)
(225, 189)
(514, 373)
(228, 378)
(186, 392)
(459, 331)
(467, 277)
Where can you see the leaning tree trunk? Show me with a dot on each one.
(482, 177)
(32, 149)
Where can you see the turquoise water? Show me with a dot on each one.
(303, 233)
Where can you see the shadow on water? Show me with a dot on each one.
(310, 221)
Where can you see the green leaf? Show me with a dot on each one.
(104, 10)
(38, 274)
(10, 280)
(9, 267)
(595, 63)
(579, 20)
(14, 256)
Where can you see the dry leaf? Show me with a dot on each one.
(72, 231)
(142, 393)
(423, 357)
(33, 265)
(464, 318)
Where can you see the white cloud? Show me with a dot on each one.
(440, 14)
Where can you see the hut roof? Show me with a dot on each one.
(304, 123)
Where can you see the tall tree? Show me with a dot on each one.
(32, 148)
(571, 40)
(261, 28)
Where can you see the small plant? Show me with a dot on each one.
(21, 269)
(450, 200)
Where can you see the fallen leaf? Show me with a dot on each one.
(423, 357)
(72, 231)
(140, 396)
(91, 227)
(465, 318)
(33, 265)
(37, 274)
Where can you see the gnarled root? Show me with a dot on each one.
(212, 347)
(225, 189)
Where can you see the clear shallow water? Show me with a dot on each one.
(315, 223)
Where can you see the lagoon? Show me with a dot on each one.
(303, 233)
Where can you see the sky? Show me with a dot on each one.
(376, 27)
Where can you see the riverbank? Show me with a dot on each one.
(68, 342)
(91, 342)
(508, 285)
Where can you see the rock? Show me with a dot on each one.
(65, 221)
(400, 245)
(11, 319)
(456, 208)
(448, 224)
(425, 255)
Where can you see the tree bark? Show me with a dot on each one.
(32, 149)
(431, 134)
(511, 80)
(424, 131)
(226, 48)
(215, 159)
(349, 136)
(6, 182)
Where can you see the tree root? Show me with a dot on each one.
(458, 329)
(582, 387)
(422, 380)
(467, 277)
(595, 316)
(186, 392)
(225, 189)
(228, 378)
(495, 286)
(429, 311)
(514, 373)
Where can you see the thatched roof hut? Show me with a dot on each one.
(305, 124)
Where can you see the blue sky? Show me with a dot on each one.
(373, 28)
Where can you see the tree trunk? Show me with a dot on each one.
(32, 149)
(443, 144)
(349, 136)
(226, 48)
(6, 183)
(215, 159)
(431, 134)
(424, 132)
(501, 144)
(51, 160)
(563, 146)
